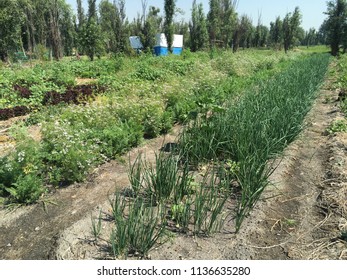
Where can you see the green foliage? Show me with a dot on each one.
(256, 127)
(96, 226)
(150, 29)
(21, 171)
(97, 68)
(245, 32)
(162, 179)
(209, 204)
(77, 138)
(198, 28)
(341, 81)
(291, 24)
(336, 25)
(222, 21)
(85, 140)
(91, 40)
(90, 36)
(261, 36)
(337, 126)
(178, 67)
(181, 214)
(69, 154)
(134, 175)
(10, 22)
(171, 184)
(276, 33)
(169, 8)
(145, 72)
(118, 138)
(156, 121)
(181, 105)
(41, 52)
(26, 190)
(109, 23)
(137, 232)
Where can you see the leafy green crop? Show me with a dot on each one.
(257, 126)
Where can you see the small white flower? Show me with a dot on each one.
(21, 156)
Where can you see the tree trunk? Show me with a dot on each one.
(334, 49)
(28, 36)
(55, 32)
(236, 41)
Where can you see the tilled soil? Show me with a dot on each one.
(301, 215)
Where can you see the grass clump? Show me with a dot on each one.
(138, 227)
(96, 225)
(209, 203)
(162, 179)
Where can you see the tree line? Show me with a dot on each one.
(36, 26)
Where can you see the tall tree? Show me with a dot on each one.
(276, 33)
(150, 28)
(123, 31)
(228, 23)
(41, 23)
(222, 22)
(300, 36)
(291, 24)
(28, 28)
(181, 27)
(169, 8)
(322, 34)
(245, 29)
(237, 35)
(310, 38)
(54, 29)
(10, 27)
(110, 25)
(91, 35)
(261, 34)
(80, 26)
(214, 19)
(80, 13)
(264, 36)
(67, 29)
(336, 25)
(198, 28)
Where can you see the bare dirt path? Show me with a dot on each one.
(301, 215)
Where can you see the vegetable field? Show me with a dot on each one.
(124, 101)
(232, 115)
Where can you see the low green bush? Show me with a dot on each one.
(118, 138)
(21, 171)
(337, 126)
(69, 154)
(145, 72)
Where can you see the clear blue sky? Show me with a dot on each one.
(312, 10)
